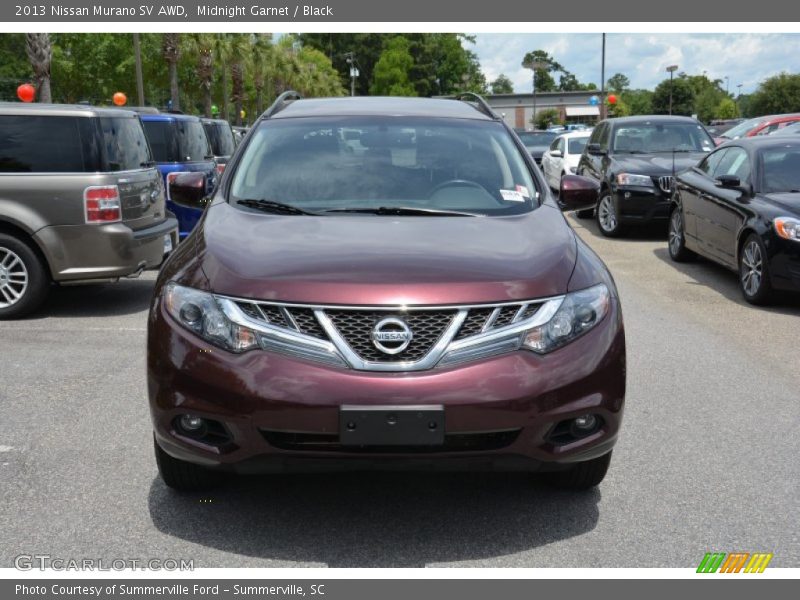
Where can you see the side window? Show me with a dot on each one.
(27, 145)
(735, 162)
(710, 162)
(562, 146)
(604, 137)
(596, 133)
(554, 145)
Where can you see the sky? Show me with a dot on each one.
(745, 58)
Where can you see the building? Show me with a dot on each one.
(572, 107)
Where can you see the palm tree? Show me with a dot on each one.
(220, 54)
(40, 53)
(171, 50)
(240, 49)
(259, 66)
(202, 44)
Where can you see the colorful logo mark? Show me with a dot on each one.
(736, 562)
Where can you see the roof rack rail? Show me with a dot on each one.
(281, 102)
(478, 102)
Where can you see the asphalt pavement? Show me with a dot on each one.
(707, 460)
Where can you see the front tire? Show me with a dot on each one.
(754, 276)
(678, 251)
(24, 281)
(584, 475)
(608, 216)
(184, 476)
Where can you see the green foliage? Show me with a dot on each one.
(682, 97)
(727, 109)
(639, 102)
(390, 77)
(502, 85)
(618, 83)
(776, 95)
(542, 78)
(545, 118)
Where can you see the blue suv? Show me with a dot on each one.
(179, 144)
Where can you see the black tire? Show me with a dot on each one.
(586, 213)
(754, 276)
(24, 280)
(184, 476)
(676, 243)
(584, 475)
(607, 216)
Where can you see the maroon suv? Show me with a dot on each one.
(384, 283)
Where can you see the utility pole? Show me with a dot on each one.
(350, 57)
(534, 65)
(671, 69)
(137, 56)
(603, 81)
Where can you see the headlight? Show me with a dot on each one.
(638, 180)
(199, 312)
(788, 228)
(578, 313)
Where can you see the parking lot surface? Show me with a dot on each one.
(707, 460)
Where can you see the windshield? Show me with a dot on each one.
(178, 140)
(335, 163)
(649, 137)
(781, 169)
(124, 144)
(734, 133)
(537, 138)
(220, 135)
(576, 145)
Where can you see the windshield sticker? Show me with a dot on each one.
(524, 191)
(512, 196)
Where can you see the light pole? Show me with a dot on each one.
(671, 69)
(603, 81)
(534, 65)
(351, 60)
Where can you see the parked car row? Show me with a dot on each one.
(84, 193)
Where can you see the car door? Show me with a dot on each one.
(694, 187)
(726, 211)
(592, 165)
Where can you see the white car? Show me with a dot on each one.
(563, 156)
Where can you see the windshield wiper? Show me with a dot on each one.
(271, 206)
(403, 211)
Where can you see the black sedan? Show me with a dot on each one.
(740, 207)
(632, 160)
(537, 142)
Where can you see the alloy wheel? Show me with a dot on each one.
(13, 278)
(675, 232)
(752, 270)
(607, 216)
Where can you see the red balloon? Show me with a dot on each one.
(26, 92)
(612, 99)
(120, 99)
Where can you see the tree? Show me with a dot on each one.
(776, 95)
(639, 102)
(366, 47)
(502, 85)
(568, 82)
(543, 81)
(545, 118)
(618, 83)
(239, 54)
(40, 54)
(390, 77)
(171, 50)
(727, 109)
(202, 45)
(259, 65)
(682, 97)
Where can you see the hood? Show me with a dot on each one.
(786, 200)
(379, 260)
(656, 164)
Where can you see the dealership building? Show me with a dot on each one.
(572, 107)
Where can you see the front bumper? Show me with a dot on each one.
(85, 252)
(500, 412)
(641, 204)
(784, 263)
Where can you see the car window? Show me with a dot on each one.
(576, 145)
(781, 168)
(554, 145)
(443, 164)
(192, 141)
(603, 136)
(561, 145)
(220, 135)
(743, 128)
(159, 134)
(709, 164)
(27, 144)
(654, 136)
(734, 162)
(124, 144)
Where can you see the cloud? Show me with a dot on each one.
(744, 58)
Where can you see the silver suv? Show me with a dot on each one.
(80, 201)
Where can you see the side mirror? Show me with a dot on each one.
(577, 193)
(594, 148)
(728, 181)
(187, 189)
(556, 153)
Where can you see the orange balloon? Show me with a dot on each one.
(26, 92)
(612, 99)
(120, 99)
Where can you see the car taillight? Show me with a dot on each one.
(220, 169)
(102, 204)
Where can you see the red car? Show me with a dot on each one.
(758, 126)
(416, 300)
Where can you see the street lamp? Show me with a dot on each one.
(534, 65)
(671, 69)
(350, 57)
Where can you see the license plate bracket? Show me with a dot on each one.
(391, 425)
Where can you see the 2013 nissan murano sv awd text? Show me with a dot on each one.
(384, 283)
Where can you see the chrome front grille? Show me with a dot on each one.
(344, 335)
(665, 183)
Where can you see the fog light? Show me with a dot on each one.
(191, 422)
(585, 422)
